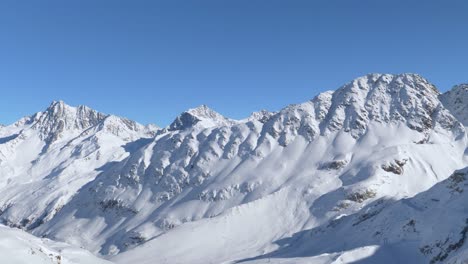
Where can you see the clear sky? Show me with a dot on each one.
(151, 60)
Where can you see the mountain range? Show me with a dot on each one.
(373, 172)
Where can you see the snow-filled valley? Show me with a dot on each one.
(374, 172)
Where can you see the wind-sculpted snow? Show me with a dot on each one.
(208, 183)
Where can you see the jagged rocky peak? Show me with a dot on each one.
(371, 86)
(374, 98)
(202, 115)
(407, 98)
(60, 116)
(456, 100)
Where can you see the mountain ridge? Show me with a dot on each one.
(456, 100)
(127, 184)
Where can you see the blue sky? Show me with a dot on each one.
(151, 60)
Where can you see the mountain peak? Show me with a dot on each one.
(203, 111)
(59, 117)
(56, 102)
(200, 115)
(58, 106)
(397, 81)
(456, 100)
(383, 98)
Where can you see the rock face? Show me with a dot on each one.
(59, 118)
(395, 167)
(456, 101)
(108, 184)
(407, 98)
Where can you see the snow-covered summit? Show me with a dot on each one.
(61, 144)
(456, 100)
(60, 117)
(407, 98)
(202, 116)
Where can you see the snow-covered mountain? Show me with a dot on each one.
(46, 158)
(456, 100)
(209, 189)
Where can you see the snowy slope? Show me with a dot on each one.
(209, 189)
(428, 228)
(19, 247)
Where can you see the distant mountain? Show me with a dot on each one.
(201, 116)
(209, 189)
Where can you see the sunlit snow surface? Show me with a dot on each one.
(19, 247)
